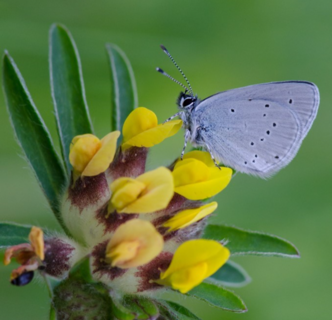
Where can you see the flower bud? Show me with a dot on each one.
(90, 156)
(147, 193)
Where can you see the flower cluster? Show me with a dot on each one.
(141, 230)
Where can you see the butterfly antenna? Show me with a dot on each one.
(184, 76)
(176, 81)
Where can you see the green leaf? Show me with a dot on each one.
(67, 86)
(119, 311)
(166, 314)
(143, 308)
(123, 86)
(82, 271)
(218, 297)
(173, 311)
(33, 135)
(243, 242)
(232, 275)
(12, 234)
(52, 313)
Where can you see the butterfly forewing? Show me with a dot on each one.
(257, 129)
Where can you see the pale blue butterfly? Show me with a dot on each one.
(256, 129)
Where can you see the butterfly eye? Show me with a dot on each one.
(186, 102)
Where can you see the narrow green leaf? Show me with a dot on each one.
(167, 314)
(81, 271)
(232, 275)
(143, 308)
(218, 297)
(12, 234)
(243, 242)
(67, 87)
(123, 86)
(33, 135)
(173, 311)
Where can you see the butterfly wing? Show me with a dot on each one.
(257, 129)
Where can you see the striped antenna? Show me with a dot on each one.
(184, 76)
(168, 76)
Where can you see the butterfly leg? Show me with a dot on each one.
(186, 138)
(212, 157)
(172, 117)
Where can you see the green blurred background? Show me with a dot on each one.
(220, 45)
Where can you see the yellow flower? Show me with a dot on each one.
(187, 217)
(22, 251)
(133, 244)
(28, 255)
(141, 129)
(149, 192)
(90, 156)
(196, 177)
(194, 261)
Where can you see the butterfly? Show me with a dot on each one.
(256, 129)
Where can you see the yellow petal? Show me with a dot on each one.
(104, 156)
(186, 279)
(36, 238)
(141, 129)
(133, 244)
(189, 171)
(203, 156)
(196, 180)
(190, 216)
(208, 188)
(82, 150)
(119, 183)
(125, 191)
(123, 252)
(187, 268)
(158, 192)
(139, 120)
(153, 136)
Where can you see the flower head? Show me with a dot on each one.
(134, 228)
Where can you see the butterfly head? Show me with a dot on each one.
(186, 101)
